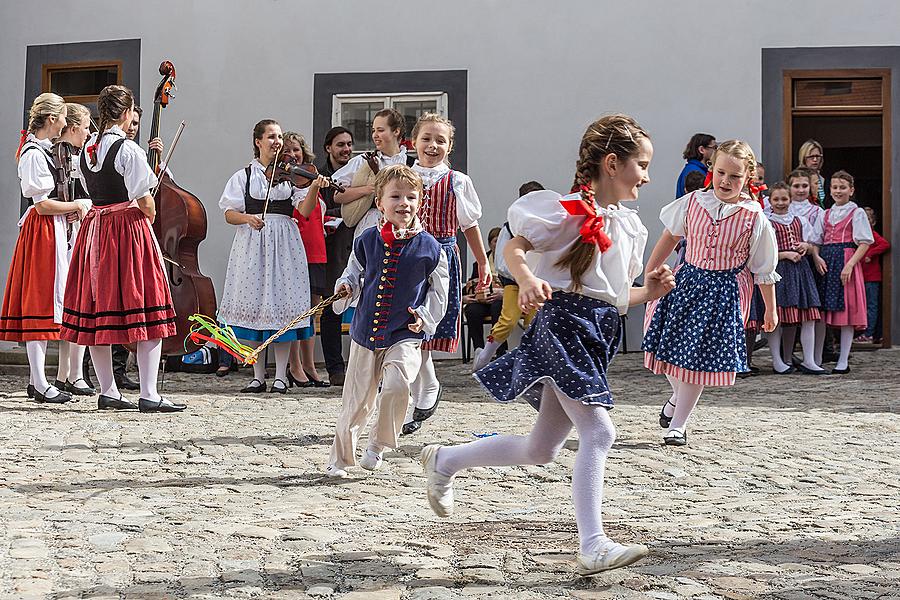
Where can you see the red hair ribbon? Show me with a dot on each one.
(92, 151)
(21, 143)
(708, 179)
(408, 144)
(756, 189)
(592, 229)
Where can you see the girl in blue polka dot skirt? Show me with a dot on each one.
(695, 335)
(584, 252)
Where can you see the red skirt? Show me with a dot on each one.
(116, 292)
(28, 310)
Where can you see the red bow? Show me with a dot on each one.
(408, 144)
(756, 189)
(92, 152)
(592, 229)
(21, 143)
(708, 179)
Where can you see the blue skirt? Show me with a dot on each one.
(832, 287)
(698, 326)
(569, 344)
(261, 335)
(446, 335)
(797, 287)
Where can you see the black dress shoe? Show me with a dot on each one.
(837, 371)
(126, 382)
(60, 398)
(316, 381)
(30, 391)
(110, 403)
(808, 371)
(60, 385)
(336, 378)
(420, 414)
(411, 427)
(665, 421)
(282, 389)
(77, 391)
(161, 405)
(787, 371)
(259, 388)
(296, 382)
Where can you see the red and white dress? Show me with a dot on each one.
(33, 300)
(796, 295)
(846, 227)
(117, 292)
(449, 204)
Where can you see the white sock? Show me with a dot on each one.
(774, 339)
(101, 356)
(843, 360)
(149, 353)
(808, 343)
(820, 340)
(37, 362)
(788, 338)
(486, 354)
(428, 385)
(62, 371)
(688, 395)
(282, 355)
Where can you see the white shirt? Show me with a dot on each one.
(35, 176)
(499, 259)
(345, 174)
(763, 257)
(788, 218)
(130, 163)
(233, 195)
(814, 215)
(552, 231)
(468, 206)
(862, 231)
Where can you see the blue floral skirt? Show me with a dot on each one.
(569, 345)
(832, 286)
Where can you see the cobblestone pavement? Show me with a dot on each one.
(789, 489)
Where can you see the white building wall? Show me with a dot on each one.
(537, 74)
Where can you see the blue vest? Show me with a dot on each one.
(395, 278)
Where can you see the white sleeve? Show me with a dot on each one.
(862, 231)
(807, 230)
(537, 217)
(763, 257)
(636, 262)
(817, 225)
(131, 163)
(345, 174)
(352, 276)
(298, 195)
(233, 195)
(35, 176)
(436, 300)
(468, 206)
(674, 214)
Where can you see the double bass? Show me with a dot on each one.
(180, 226)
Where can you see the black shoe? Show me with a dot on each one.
(60, 385)
(60, 398)
(336, 378)
(280, 390)
(162, 405)
(259, 388)
(316, 381)
(675, 438)
(837, 371)
(808, 371)
(795, 360)
(296, 382)
(126, 382)
(223, 371)
(420, 414)
(77, 391)
(751, 372)
(411, 427)
(828, 357)
(665, 421)
(110, 403)
(30, 391)
(787, 371)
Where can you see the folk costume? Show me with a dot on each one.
(846, 227)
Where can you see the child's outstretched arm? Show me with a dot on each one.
(533, 292)
(473, 238)
(662, 250)
(657, 284)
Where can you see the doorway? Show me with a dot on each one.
(848, 112)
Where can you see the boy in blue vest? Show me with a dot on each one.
(400, 275)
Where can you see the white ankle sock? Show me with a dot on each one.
(149, 352)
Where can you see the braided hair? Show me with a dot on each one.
(111, 103)
(742, 151)
(44, 106)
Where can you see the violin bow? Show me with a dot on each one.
(169, 155)
(269, 187)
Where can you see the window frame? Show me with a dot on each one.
(47, 71)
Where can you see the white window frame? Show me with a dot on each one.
(388, 101)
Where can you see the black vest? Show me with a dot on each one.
(252, 206)
(54, 195)
(105, 186)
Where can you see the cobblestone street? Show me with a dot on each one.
(789, 489)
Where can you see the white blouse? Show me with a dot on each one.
(788, 218)
(468, 206)
(763, 258)
(814, 215)
(130, 163)
(552, 231)
(233, 195)
(345, 174)
(862, 231)
(35, 175)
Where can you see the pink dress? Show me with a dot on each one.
(840, 242)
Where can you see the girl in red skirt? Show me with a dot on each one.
(32, 303)
(117, 292)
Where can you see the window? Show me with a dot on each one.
(813, 94)
(81, 82)
(357, 111)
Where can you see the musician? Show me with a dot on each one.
(266, 281)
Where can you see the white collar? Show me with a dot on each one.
(45, 143)
(843, 209)
(439, 169)
(785, 219)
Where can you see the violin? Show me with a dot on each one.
(180, 226)
(299, 175)
(63, 152)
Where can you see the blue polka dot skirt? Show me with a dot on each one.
(569, 345)
(698, 326)
(832, 287)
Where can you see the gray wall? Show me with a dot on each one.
(536, 76)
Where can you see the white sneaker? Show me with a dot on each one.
(335, 472)
(438, 487)
(370, 461)
(610, 556)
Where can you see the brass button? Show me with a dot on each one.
(375, 321)
(374, 329)
(386, 261)
(378, 296)
(383, 278)
(387, 253)
(380, 287)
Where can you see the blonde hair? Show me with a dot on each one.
(76, 116)
(742, 151)
(400, 173)
(807, 147)
(44, 106)
(616, 134)
(434, 118)
(293, 136)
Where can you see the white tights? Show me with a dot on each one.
(685, 397)
(71, 362)
(37, 362)
(282, 357)
(149, 353)
(557, 414)
(843, 360)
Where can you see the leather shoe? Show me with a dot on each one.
(807, 371)
(420, 414)
(126, 382)
(110, 403)
(259, 388)
(279, 389)
(60, 398)
(78, 391)
(836, 371)
(411, 427)
(30, 391)
(161, 405)
(336, 378)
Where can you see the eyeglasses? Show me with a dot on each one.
(711, 146)
(813, 157)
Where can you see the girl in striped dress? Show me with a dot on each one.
(695, 335)
(449, 204)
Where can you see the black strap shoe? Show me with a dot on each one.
(30, 391)
(259, 388)
(161, 405)
(281, 389)
(60, 398)
(296, 382)
(420, 414)
(78, 391)
(110, 403)
(665, 421)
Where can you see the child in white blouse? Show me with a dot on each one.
(585, 250)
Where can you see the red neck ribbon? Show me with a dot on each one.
(592, 229)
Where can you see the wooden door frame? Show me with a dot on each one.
(788, 114)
